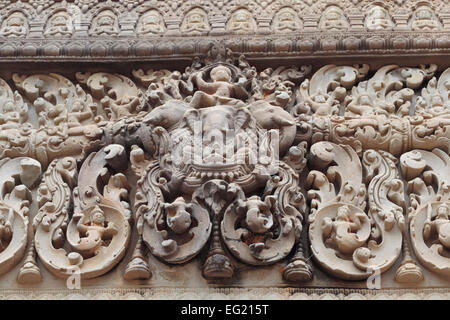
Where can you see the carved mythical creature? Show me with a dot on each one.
(178, 216)
(259, 217)
(430, 202)
(6, 229)
(219, 92)
(213, 173)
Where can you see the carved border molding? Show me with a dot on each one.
(299, 45)
(85, 29)
(227, 294)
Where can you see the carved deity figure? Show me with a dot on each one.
(342, 231)
(6, 230)
(59, 25)
(286, 20)
(362, 107)
(77, 114)
(195, 22)
(94, 231)
(11, 116)
(440, 225)
(219, 92)
(150, 23)
(333, 19)
(49, 112)
(15, 25)
(241, 22)
(424, 19)
(378, 19)
(105, 23)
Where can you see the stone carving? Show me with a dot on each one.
(346, 241)
(327, 88)
(118, 95)
(56, 99)
(195, 23)
(385, 92)
(98, 231)
(334, 19)
(393, 134)
(425, 19)
(15, 25)
(59, 25)
(14, 111)
(163, 86)
(378, 18)
(177, 230)
(151, 23)
(152, 19)
(434, 99)
(220, 91)
(250, 226)
(241, 22)
(17, 177)
(220, 154)
(105, 24)
(286, 20)
(428, 186)
(167, 228)
(278, 87)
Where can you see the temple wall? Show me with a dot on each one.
(220, 149)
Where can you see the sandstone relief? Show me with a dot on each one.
(324, 172)
(325, 27)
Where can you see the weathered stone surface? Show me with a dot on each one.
(237, 165)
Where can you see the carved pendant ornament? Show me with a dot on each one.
(342, 169)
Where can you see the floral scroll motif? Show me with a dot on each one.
(98, 230)
(345, 240)
(429, 189)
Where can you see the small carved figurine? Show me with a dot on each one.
(15, 25)
(221, 91)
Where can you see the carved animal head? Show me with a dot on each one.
(178, 215)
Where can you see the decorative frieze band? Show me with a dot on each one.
(114, 29)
